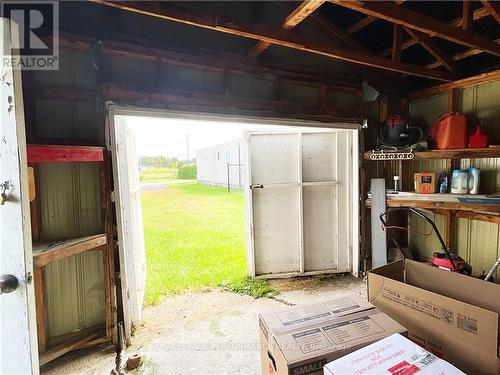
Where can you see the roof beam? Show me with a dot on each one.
(428, 25)
(298, 15)
(397, 39)
(467, 16)
(493, 8)
(432, 48)
(459, 56)
(457, 22)
(167, 12)
(366, 21)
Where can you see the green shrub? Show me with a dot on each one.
(187, 172)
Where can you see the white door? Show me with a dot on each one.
(18, 341)
(300, 202)
(127, 194)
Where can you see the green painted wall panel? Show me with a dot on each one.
(477, 242)
(69, 197)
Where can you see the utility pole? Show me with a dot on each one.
(187, 147)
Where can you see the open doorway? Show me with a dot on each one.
(228, 201)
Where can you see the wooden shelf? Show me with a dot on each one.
(46, 253)
(62, 153)
(445, 203)
(466, 153)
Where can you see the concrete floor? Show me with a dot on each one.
(214, 332)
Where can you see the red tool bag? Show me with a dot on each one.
(450, 131)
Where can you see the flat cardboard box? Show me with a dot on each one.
(452, 315)
(393, 355)
(301, 339)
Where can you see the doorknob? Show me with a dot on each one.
(8, 283)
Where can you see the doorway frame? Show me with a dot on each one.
(115, 109)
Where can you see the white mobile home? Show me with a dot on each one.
(222, 164)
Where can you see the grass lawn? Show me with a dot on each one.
(158, 174)
(195, 238)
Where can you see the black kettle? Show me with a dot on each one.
(396, 132)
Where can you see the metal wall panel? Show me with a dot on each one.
(69, 197)
(477, 242)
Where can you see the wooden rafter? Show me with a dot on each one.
(298, 15)
(493, 8)
(269, 35)
(432, 48)
(366, 21)
(457, 22)
(397, 39)
(459, 56)
(361, 24)
(467, 15)
(416, 21)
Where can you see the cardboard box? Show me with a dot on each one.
(301, 339)
(425, 183)
(452, 315)
(393, 355)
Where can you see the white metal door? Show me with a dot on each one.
(18, 341)
(127, 195)
(300, 202)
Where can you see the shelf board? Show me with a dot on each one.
(488, 209)
(46, 253)
(466, 153)
(63, 153)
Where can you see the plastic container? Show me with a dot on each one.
(473, 181)
(443, 183)
(459, 181)
(397, 186)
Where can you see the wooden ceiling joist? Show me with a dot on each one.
(432, 48)
(493, 8)
(273, 36)
(416, 21)
(457, 22)
(361, 24)
(298, 15)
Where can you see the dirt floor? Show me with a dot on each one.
(213, 332)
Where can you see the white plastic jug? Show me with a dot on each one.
(459, 181)
(473, 181)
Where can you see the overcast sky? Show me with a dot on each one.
(167, 137)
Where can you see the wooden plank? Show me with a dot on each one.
(65, 347)
(453, 97)
(397, 39)
(411, 19)
(462, 83)
(464, 153)
(273, 36)
(40, 308)
(459, 56)
(493, 8)
(434, 205)
(360, 24)
(491, 218)
(44, 254)
(294, 18)
(457, 22)
(378, 235)
(59, 153)
(467, 15)
(432, 48)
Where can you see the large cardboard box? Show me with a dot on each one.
(452, 315)
(393, 355)
(300, 340)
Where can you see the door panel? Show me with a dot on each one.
(18, 341)
(280, 151)
(276, 230)
(300, 202)
(129, 221)
(320, 223)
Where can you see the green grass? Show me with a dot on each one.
(195, 239)
(158, 174)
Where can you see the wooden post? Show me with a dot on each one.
(40, 308)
